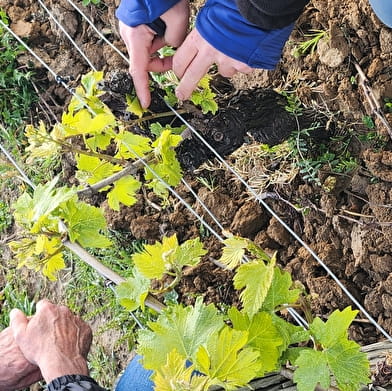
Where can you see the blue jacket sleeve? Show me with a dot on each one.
(220, 23)
(135, 12)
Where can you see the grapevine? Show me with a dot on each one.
(226, 349)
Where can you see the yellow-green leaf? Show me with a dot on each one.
(225, 359)
(233, 251)
(123, 191)
(134, 106)
(94, 169)
(156, 259)
(132, 146)
(176, 376)
(256, 278)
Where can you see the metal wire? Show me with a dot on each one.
(118, 51)
(13, 161)
(286, 226)
(265, 205)
(67, 35)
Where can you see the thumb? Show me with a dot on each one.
(18, 323)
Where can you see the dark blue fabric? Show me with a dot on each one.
(220, 23)
(135, 12)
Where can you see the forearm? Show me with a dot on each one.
(56, 367)
(136, 12)
(270, 15)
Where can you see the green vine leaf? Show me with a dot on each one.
(156, 129)
(123, 191)
(84, 223)
(264, 337)
(289, 333)
(131, 146)
(35, 212)
(189, 253)
(98, 141)
(184, 329)
(312, 371)
(335, 328)
(281, 291)
(168, 167)
(93, 169)
(204, 97)
(339, 356)
(133, 292)
(256, 278)
(226, 360)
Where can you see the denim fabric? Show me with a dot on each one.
(383, 9)
(135, 378)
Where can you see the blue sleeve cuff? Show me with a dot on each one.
(220, 23)
(135, 12)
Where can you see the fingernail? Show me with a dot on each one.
(180, 95)
(13, 313)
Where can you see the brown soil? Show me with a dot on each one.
(348, 223)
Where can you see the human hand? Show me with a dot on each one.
(193, 59)
(142, 43)
(54, 339)
(15, 371)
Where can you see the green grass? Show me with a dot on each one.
(90, 295)
(16, 91)
(14, 297)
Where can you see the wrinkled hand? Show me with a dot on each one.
(15, 371)
(142, 43)
(193, 59)
(54, 339)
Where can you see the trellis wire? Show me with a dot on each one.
(266, 206)
(67, 35)
(118, 51)
(16, 165)
(286, 226)
(298, 318)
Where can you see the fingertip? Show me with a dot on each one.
(14, 314)
(18, 321)
(180, 95)
(42, 303)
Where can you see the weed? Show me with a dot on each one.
(310, 45)
(5, 217)
(294, 105)
(373, 138)
(368, 122)
(103, 366)
(90, 2)
(388, 105)
(312, 157)
(11, 297)
(209, 183)
(16, 92)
